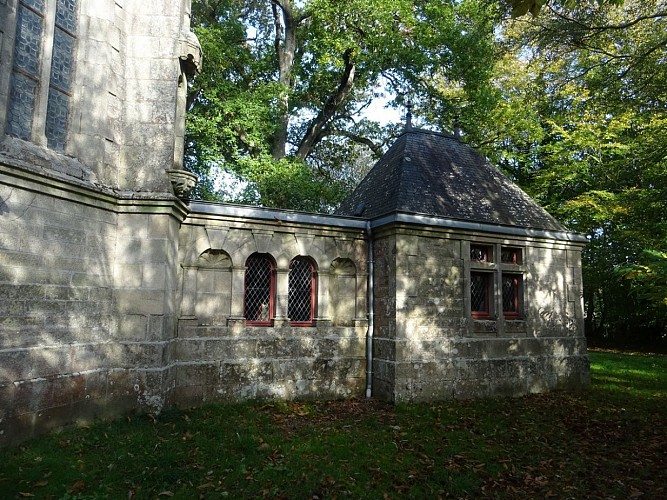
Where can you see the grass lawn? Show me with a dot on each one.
(609, 442)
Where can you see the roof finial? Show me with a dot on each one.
(457, 126)
(408, 115)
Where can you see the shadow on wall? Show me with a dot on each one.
(64, 353)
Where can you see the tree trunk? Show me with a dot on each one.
(317, 126)
(285, 46)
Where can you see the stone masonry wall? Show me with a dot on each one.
(56, 309)
(85, 310)
(384, 318)
(440, 352)
(217, 356)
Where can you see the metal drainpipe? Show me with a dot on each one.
(369, 333)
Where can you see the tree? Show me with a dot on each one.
(587, 87)
(520, 8)
(285, 85)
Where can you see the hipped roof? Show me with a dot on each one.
(429, 173)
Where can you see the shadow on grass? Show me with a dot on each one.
(606, 442)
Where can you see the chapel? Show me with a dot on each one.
(438, 278)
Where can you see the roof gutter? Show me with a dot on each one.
(425, 220)
(275, 215)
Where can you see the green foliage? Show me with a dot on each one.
(649, 277)
(520, 8)
(287, 83)
(555, 445)
(579, 123)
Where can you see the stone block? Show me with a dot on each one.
(232, 349)
(154, 276)
(67, 234)
(10, 260)
(21, 292)
(133, 301)
(384, 349)
(50, 362)
(242, 374)
(15, 366)
(13, 308)
(300, 369)
(66, 293)
(196, 374)
(9, 242)
(128, 275)
(351, 347)
(186, 397)
(32, 395)
(133, 326)
(96, 385)
(277, 348)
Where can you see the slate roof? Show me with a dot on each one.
(428, 173)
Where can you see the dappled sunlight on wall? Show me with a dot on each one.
(218, 356)
(343, 292)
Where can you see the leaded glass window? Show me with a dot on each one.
(511, 287)
(26, 74)
(301, 297)
(60, 80)
(479, 253)
(259, 290)
(31, 72)
(510, 255)
(480, 294)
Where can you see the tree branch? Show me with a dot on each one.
(314, 132)
(377, 149)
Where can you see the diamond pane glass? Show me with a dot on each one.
(479, 293)
(21, 104)
(300, 298)
(66, 15)
(510, 294)
(27, 46)
(57, 111)
(258, 288)
(61, 61)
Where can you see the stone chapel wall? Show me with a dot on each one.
(218, 356)
(89, 228)
(439, 351)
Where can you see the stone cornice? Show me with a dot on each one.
(17, 174)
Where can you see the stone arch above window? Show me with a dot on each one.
(210, 282)
(302, 291)
(215, 259)
(342, 267)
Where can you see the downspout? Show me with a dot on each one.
(369, 332)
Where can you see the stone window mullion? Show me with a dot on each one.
(39, 113)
